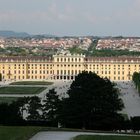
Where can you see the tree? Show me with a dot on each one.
(50, 107)
(10, 113)
(34, 108)
(136, 80)
(15, 115)
(92, 101)
(0, 77)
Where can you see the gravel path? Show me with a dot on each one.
(65, 135)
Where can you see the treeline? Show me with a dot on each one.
(92, 51)
(136, 80)
(10, 115)
(91, 103)
(109, 53)
(31, 111)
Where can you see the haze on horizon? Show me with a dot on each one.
(71, 17)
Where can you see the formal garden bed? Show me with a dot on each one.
(21, 90)
(32, 83)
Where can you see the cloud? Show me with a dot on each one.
(52, 13)
(7, 16)
(56, 13)
(95, 19)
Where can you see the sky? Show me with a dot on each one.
(71, 17)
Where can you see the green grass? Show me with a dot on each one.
(88, 137)
(17, 133)
(32, 83)
(24, 132)
(7, 99)
(21, 90)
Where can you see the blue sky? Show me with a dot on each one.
(71, 17)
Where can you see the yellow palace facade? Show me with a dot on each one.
(66, 67)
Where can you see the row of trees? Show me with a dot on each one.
(136, 80)
(92, 103)
(31, 110)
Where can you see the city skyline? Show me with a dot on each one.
(72, 18)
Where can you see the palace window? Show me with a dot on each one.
(61, 71)
(57, 72)
(75, 71)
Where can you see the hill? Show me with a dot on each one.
(4, 33)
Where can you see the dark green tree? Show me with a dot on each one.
(92, 101)
(34, 108)
(10, 113)
(0, 77)
(50, 107)
(136, 80)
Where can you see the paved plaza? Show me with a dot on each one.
(130, 98)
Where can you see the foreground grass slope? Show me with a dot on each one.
(17, 133)
(88, 137)
(26, 132)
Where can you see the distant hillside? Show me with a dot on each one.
(44, 36)
(7, 34)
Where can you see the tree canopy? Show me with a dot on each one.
(136, 80)
(50, 106)
(92, 101)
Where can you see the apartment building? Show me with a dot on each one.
(66, 67)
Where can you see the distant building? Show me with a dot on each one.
(67, 66)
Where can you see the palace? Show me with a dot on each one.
(66, 67)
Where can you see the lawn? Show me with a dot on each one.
(88, 137)
(21, 90)
(32, 83)
(7, 99)
(17, 133)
